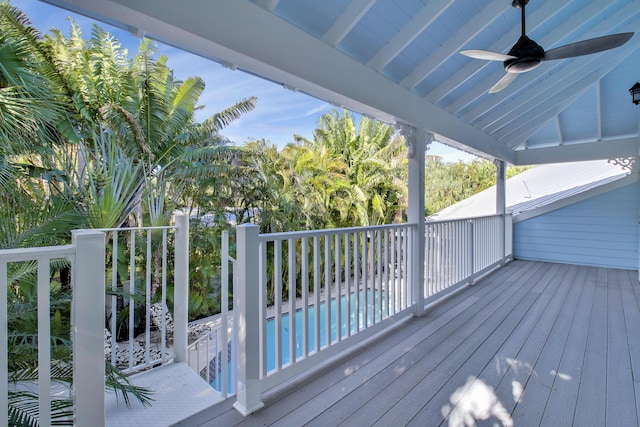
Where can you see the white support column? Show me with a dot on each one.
(417, 141)
(501, 198)
(181, 289)
(247, 320)
(88, 310)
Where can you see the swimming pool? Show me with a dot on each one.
(372, 310)
(271, 325)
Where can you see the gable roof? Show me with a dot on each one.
(398, 61)
(544, 188)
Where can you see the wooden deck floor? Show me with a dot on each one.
(532, 344)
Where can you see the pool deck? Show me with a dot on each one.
(178, 393)
(531, 344)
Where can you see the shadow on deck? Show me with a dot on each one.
(531, 344)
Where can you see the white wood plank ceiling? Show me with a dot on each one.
(399, 61)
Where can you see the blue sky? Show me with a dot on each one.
(279, 114)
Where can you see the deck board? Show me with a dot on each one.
(590, 407)
(632, 320)
(620, 403)
(532, 344)
(564, 393)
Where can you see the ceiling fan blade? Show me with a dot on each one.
(586, 47)
(505, 81)
(486, 55)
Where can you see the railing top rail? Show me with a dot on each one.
(32, 254)
(437, 221)
(330, 231)
(155, 227)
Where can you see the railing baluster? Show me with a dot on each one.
(393, 271)
(224, 313)
(327, 290)
(4, 343)
(365, 281)
(356, 279)
(132, 281)
(337, 274)
(405, 279)
(263, 307)
(165, 249)
(291, 263)
(305, 297)
(114, 298)
(378, 235)
(147, 315)
(277, 277)
(387, 298)
(316, 292)
(347, 285)
(44, 342)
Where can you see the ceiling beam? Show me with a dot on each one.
(613, 149)
(538, 116)
(345, 22)
(478, 23)
(546, 91)
(242, 33)
(599, 109)
(267, 4)
(408, 33)
(559, 130)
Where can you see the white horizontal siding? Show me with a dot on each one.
(601, 231)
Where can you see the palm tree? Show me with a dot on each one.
(89, 138)
(374, 155)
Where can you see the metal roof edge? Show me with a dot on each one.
(623, 181)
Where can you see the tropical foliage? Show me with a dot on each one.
(90, 139)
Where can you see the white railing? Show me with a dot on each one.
(318, 292)
(137, 271)
(212, 355)
(460, 251)
(86, 255)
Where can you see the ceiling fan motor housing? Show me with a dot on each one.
(528, 55)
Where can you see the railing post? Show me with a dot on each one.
(88, 327)
(508, 237)
(417, 141)
(181, 289)
(501, 197)
(472, 251)
(247, 320)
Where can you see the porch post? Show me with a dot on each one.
(181, 289)
(88, 310)
(417, 141)
(247, 320)
(501, 197)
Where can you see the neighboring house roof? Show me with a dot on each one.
(542, 188)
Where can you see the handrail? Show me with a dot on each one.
(329, 231)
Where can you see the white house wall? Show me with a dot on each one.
(601, 231)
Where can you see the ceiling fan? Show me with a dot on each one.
(527, 55)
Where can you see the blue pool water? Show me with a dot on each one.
(271, 326)
(372, 310)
